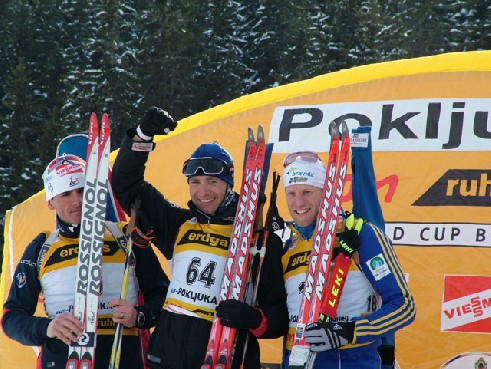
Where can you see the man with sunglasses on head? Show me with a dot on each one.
(375, 299)
(195, 241)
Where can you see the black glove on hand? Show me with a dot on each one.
(156, 122)
(330, 335)
(140, 239)
(349, 240)
(236, 314)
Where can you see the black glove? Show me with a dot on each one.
(349, 239)
(156, 122)
(328, 336)
(236, 314)
(140, 239)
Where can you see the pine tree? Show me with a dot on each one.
(168, 56)
(223, 62)
(22, 177)
(267, 43)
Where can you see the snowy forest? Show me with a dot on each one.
(62, 60)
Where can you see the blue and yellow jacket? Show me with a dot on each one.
(375, 296)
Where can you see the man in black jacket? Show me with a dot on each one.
(196, 240)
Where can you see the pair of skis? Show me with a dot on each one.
(320, 299)
(221, 343)
(81, 354)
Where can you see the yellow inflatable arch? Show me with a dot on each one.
(431, 134)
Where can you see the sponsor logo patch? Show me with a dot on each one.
(20, 280)
(378, 266)
(209, 239)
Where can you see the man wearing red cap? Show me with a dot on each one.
(196, 242)
(49, 266)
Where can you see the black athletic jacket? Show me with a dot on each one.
(21, 324)
(179, 341)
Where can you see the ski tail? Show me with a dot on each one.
(81, 354)
(258, 250)
(216, 328)
(220, 349)
(332, 293)
(79, 310)
(73, 361)
(333, 289)
(258, 242)
(254, 171)
(324, 238)
(300, 350)
(99, 200)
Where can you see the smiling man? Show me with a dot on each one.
(196, 242)
(49, 266)
(304, 181)
(375, 299)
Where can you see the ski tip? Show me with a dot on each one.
(333, 129)
(344, 129)
(105, 118)
(250, 134)
(260, 133)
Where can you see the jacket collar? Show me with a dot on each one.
(225, 215)
(67, 230)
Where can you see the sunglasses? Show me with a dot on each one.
(301, 155)
(209, 166)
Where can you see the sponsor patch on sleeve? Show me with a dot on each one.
(378, 266)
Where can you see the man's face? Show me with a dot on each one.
(68, 206)
(207, 193)
(303, 203)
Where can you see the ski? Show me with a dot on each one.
(115, 359)
(258, 249)
(81, 355)
(220, 347)
(77, 144)
(216, 327)
(321, 254)
(241, 254)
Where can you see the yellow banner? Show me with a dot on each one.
(431, 135)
